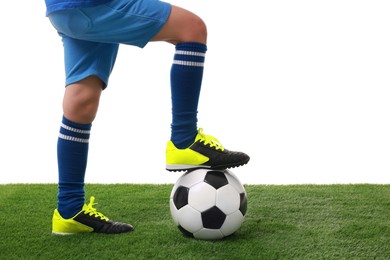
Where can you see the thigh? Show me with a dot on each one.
(85, 58)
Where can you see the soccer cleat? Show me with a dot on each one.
(87, 220)
(206, 152)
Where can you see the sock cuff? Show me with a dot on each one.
(190, 55)
(75, 132)
(70, 123)
(194, 46)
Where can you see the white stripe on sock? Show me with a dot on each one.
(190, 53)
(74, 139)
(188, 63)
(75, 129)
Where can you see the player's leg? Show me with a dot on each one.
(188, 33)
(88, 66)
(72, 215)
(80, 105)
(189, 147)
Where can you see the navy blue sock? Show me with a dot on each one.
(72, 154)
(186, 81)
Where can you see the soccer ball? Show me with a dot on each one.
(208, 204)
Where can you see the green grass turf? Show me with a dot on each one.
(282, 222)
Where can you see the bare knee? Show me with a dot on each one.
(183, 26)
(197, 31)
(81, 100)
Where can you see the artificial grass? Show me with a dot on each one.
(282, 222)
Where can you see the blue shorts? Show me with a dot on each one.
(91, 36)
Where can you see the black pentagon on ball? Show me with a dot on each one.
(180, 198)
(243, 203)
(217, 179)
(213, 218)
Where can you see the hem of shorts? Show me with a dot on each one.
(159, 25)
(75, 79)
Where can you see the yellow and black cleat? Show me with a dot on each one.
(206, 152)
(87, 220)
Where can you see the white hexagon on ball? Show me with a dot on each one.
(190, 219)
(232, 223)
(228, 199)
(202, 196)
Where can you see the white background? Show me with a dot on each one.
(303, 87)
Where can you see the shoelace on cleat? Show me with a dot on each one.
(210, 140)
(92, 211)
